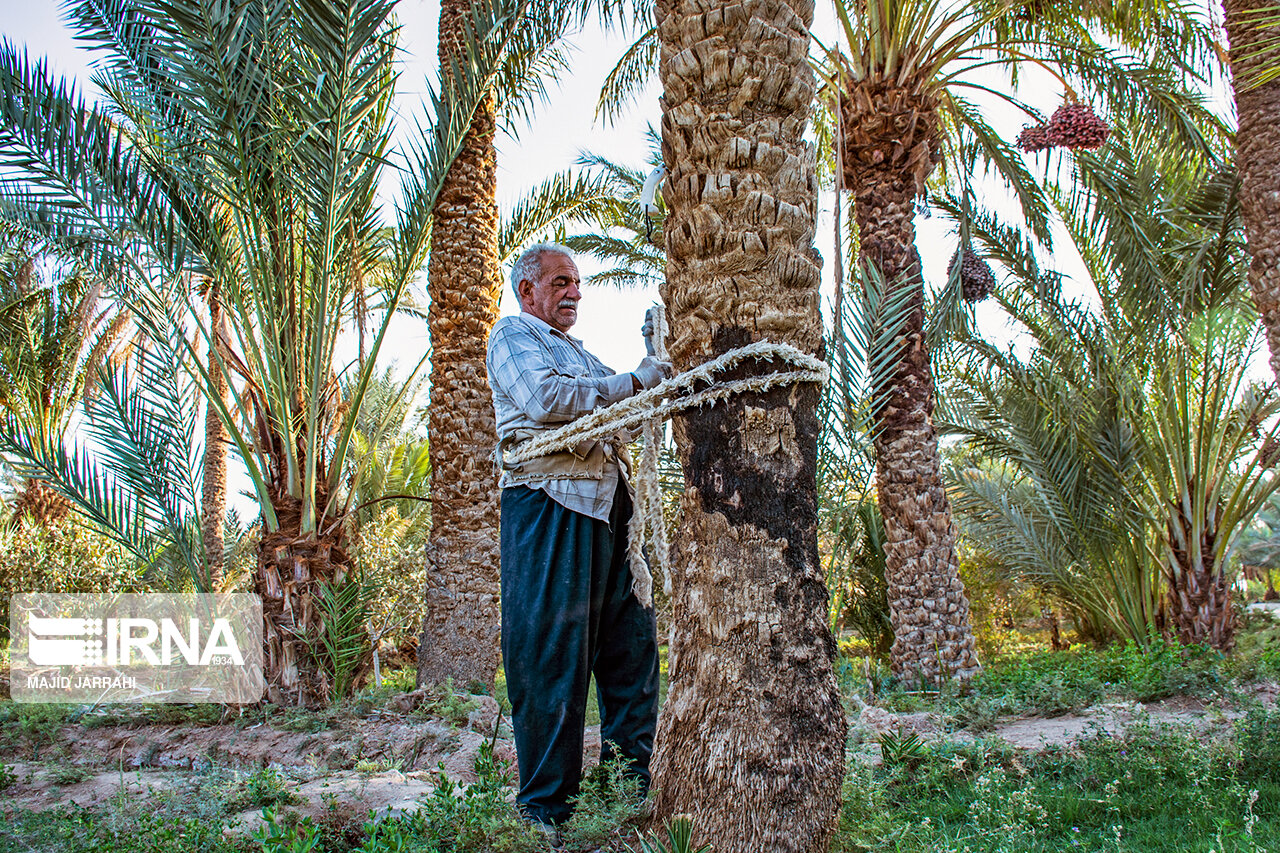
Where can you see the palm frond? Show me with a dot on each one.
(628, 77)
(563, 199)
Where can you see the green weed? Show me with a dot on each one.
(68, 774)
(288, 834)
(608, 803)
(1156, 789)
(457, 818)
(264, 788)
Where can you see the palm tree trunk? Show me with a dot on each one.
(460, 634)
(1199, 597)
(213, 511)
(751, 740)
(890, 147)
(1258, 159)
(291, 567)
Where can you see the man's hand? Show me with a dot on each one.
(650, 372)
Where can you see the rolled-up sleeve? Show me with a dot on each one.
(525, 372)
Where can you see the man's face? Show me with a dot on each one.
(553, 298)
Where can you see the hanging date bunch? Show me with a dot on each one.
(1033, 138)
(1077, 126)
(1074, 126)
(977, 281)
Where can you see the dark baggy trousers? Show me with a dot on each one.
(567, 612)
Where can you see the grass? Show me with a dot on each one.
(1154, 789)
(1049, 684)
(1157, 789)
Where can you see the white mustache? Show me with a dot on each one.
(569, 303)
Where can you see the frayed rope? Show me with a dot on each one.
(646, 411)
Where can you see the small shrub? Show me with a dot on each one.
(1257, 651)
(68, 774)
(369, 766)
(391, 557)
(456, 818)
(1257, 738)
(33, 726)
(607, 802)
(447, 704)
(679, 838)
(288, 834)
(899, 747)
(264, 788)
(7, 777)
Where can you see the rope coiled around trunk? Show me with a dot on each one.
(646, 411)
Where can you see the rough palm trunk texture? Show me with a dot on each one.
(460, 635)
(891, 144)
(1258, 158)
(1199, 594)
(290, 567)
(213, 511)
(751, 740)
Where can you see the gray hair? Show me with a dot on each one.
(529, 264)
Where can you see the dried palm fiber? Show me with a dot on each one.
(693, 388)
(977, 281)
(1033, 138)
(1077, 126)
(647, 521)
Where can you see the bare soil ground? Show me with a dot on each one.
(385, 762)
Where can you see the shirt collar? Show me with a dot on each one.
(543, 324)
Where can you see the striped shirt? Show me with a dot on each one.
(542, 379)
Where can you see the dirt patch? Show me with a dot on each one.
(870, 724)
(398, 741)
(385, 763)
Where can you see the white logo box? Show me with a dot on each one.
(161, 647)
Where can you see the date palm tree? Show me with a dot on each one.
(460, 634)
(1132, 447)
(753, 703)
(55, 334)
(243, 143)
(1254, 57)
(901, 89)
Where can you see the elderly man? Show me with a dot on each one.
(567, 606)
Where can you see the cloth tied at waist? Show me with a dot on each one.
(586, 460)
